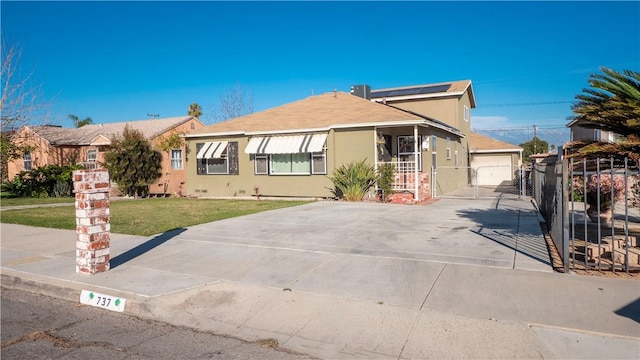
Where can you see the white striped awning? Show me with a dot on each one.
(212, 150)
(286, 144)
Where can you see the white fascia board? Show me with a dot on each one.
(379, 124)
(218, 134)
(441, 127)
(425, 123)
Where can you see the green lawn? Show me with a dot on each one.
(6, 201)
(147, 216)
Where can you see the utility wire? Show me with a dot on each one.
(525, 104)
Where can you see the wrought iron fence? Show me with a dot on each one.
(592, 212)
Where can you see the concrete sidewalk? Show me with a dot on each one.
(454, 279)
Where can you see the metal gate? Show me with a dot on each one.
(462, 182)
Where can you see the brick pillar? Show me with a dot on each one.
(92, 220)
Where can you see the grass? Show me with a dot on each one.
(6, 200)
(147, 216)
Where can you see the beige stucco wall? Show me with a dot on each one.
(343, 146)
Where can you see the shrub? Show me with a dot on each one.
(44, 181)
(353, 180)
(386, 172)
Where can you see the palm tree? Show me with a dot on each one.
(80, 123)
(195, 110)
(612, 104)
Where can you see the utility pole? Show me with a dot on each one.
(535, 139)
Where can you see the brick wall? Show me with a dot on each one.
(93, 229)
(406, 197)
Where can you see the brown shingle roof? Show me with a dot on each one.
(83, 135)
(324, 111)
(485, 143)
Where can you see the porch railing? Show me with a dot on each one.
(404, 178)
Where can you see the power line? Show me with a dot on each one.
(530, 128)
(526, 104)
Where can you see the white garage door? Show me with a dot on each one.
(493, 169)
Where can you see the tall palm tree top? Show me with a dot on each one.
(612, 103)
(195, 110)
(80, 123)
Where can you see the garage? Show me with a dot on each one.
(494, 161)
(493, 169)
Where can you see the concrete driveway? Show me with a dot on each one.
(376, 252)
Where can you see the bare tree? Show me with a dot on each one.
(21, 103)
(233, 103)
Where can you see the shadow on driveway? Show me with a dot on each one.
(144, 247)
(507, 228)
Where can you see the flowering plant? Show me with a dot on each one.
(605, 184)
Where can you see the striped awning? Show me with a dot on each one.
(286, 144)
(212, 150)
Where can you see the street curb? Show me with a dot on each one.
(70, 291)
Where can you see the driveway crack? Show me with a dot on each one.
(418, 313)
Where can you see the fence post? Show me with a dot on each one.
(565, 214)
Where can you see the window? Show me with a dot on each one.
(261, 164)
(466, 113)
(217, 166)
(292, 164)
(92, 155)
(176, 159)
(318, 163)
(26, 160)
(227, 163)
(448, 148)
(406, 149)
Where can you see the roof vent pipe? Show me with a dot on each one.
(363, 91)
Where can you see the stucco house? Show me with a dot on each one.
(86, 145)
(494, 162)
(578, 132)
(291, 150)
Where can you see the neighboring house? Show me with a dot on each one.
(86, 145)
(494, 162)
(578, 132)
(292, 150)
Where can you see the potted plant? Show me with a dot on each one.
(604, 197)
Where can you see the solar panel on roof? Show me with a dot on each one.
(412, 91)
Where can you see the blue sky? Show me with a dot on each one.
(118, 61)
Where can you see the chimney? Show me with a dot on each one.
(363, 91)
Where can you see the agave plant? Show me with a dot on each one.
(353, 180)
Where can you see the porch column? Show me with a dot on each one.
(375, 149)
(416, 197)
